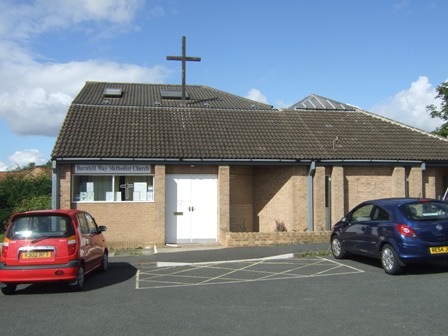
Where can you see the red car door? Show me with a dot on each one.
(87, 243)
(97, 241)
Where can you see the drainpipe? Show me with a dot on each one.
(54, 186)
(311, 196)
(423, 168)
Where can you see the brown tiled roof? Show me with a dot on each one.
(151, 95)
(139, 132)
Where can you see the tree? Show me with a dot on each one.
(34, 203)
(21, 191)
(442, 94)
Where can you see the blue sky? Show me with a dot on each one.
(384, 56)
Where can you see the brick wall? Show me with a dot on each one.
(338, 207)
(241, 199)
(158, 234)
(240, 239)
(65, 180)
(128, 223)
(278, 192)
(415, 182)
(255, 198)
(438, 185)
(319, 199)
(367, 182)
(223, 202)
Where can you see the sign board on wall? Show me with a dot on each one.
(112, 169)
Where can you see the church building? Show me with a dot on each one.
(214, 167)
(174, 164)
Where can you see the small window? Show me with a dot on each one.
(113, 188)
(362, 214)
(380, 214)
(91, 224)
(83, 223)
(171, 94)
(113, 92)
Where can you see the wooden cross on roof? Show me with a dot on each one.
(184, 59)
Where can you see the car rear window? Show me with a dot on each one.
(425, 211)
(38, 226)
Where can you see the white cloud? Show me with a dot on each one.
(34, 97)
(22, 20)
(4, 167)
(23, 158)
(409, 106)
(256, 95)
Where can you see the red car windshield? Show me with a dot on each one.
(422, 211)
(39, 226)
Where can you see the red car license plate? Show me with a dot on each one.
(36, 255)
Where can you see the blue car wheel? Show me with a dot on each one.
(390, 260)
(337, 249)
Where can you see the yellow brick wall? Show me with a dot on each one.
(338, 207)
(398, 182)
(415, 181)
(241, 199)
(223, 202)
(440, 182)
(319, 199)
(278, 192)
(366, 182)
(65, 179)
(128, 223)
(254, 198)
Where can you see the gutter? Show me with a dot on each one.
(251, 161)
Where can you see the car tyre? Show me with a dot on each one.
(79, 282)
(390, 261)
(105, 262)
(9, 289)
(337, 249)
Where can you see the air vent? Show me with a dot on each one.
(171, 94)
(157, 104)
(113, 92)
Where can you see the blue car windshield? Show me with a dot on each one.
(422, 211)
(39, 226)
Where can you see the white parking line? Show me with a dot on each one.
(170, 264)
(238, 271)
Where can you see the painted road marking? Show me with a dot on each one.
(238, 271)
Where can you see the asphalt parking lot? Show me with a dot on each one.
(273, 291)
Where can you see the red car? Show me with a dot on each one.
(51, 245)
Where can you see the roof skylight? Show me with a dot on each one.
(171, 94)
(113, 92)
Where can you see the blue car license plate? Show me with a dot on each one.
(438, 249)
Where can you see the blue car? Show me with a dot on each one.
(398, 231)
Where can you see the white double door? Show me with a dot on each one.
(191, 208)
